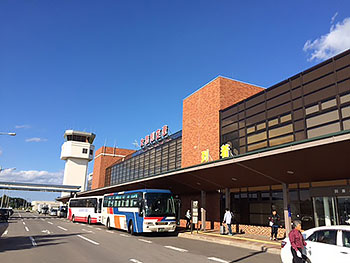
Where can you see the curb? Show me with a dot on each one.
(233, 242)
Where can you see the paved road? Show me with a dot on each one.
(29, 237)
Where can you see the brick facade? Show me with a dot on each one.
(105, 157)
(200, 124)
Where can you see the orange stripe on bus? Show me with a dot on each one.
(117, 221)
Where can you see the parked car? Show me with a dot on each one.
(324, 244)
(62, 212)
(4, 214)
(45, 210)
(53, 212)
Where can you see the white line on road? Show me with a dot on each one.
(26, 229)
(5, 233)
(146, 241)
(89, 231)
(19, 215)
(50, 223)
(218, 260)
(89, 240)
(33, 241)
(124, 235)
(24, 223)
(99, 228)
(42, 219)
(135, 260)
(89, 226)
(109, 231)
(176, 248)
(62, 228)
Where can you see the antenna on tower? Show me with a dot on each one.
(136, 144)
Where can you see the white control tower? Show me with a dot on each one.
(77, 151)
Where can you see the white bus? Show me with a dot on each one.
(85, 209)
(140, 211)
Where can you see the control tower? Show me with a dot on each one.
(77, 151)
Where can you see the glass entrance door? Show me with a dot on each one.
(344, 210)
(325, 211)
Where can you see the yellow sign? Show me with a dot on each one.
(205, 156)
(225, 151)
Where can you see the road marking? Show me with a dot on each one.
(50, 223)
(24, 223)
(46, 231)
(135, 260)
(89, 231)
(62, 228)
(5, 233)
(109, 231)
(89, 240)
(33, 241)
(89, 226)
(176, 248)
(146, 241)
(218, 260)
(19, 215)
(99, 228)
(124, 235)
(26, 229)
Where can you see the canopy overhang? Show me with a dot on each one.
(318, 159)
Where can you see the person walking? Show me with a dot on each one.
(274, 220)
(188, 219)
(228, 220)
(297, 242)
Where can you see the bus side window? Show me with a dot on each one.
(109, 201)
(105, 201)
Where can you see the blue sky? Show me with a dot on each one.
(121, 69)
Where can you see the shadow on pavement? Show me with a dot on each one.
(23, 242)
(263, 250)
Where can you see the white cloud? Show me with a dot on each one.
(24, 126)
(328, 45)
(36, 139)
(31, 176)
(333, 17)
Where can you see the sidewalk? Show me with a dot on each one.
(254, 242)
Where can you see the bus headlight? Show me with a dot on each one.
(149, 223)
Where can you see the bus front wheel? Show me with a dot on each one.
(131, 228)
(73, 219)
(89, 220)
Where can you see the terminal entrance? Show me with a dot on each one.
(333, 208)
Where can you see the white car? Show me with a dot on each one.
(324, 244)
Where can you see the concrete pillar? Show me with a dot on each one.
(287, 218)
(203, 209)
(227, 198)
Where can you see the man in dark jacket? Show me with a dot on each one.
(297, 242)
(274, 220)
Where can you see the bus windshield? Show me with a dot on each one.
(159, 204)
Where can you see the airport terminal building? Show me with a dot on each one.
(250, 149)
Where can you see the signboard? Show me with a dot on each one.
(225, 151)
(155, 137)
(205, 156)
(194, 207)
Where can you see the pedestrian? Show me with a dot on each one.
(297, 242)
(274, 220)
(188, 218)
(228, 220)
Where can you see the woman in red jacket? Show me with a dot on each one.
(297, 242)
